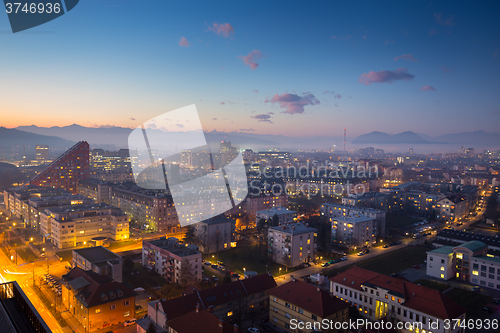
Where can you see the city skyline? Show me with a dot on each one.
(303, 70)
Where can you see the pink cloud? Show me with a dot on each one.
(184, 42)
(262, 118)
(255, 91)
(247, 130)
(293, 103)
(251, 59)
(387, 42)
(222, 103)
(400, 74)
(446, 70)
(428, 88)
(338, 96)
(448, 21)
(224, 29)
(407, 57)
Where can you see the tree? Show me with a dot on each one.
(151, 328)
(261, 224)
(275, 220)
(189, 236)
(186, 274)
(128, 264)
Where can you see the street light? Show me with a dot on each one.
(280, 271)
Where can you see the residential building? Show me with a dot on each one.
(17, 313)
(332, 210)
(109, 160)
(404, 303)
(469, 262)
(301, 302)
(100, 260)
(284, 215)
(457, 237)
(229, 301)
(96, 301)
(452, 208)
(215, 234)
(292, 244)
(353, 231)
(175, 262)
(257, 201)
(66, 170)
(77, 225)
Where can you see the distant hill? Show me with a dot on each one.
(14, 139)
(472, 138)
(384, 138)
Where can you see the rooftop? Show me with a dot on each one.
(276, 211)
(201, 321)
(464, 237)
(360, 208)
(96, 254)
(353, 219)
(442, 250)
(313, 299)
(474, 246)
(172, 245)
(416, 297)
(217, 220)
(296, 228)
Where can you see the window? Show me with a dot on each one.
(301, 311)
(442, 261)
(97, 310)
(126, 303)
(431, 259)
(287, 315)
(112, 306)
(287, 305)
(442, 276)
(126, 314)
(314, 317)
(442, 268)
(229, 314)
(275, 319)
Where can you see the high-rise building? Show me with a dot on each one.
(42, 152)
(66, 170)
(292, 244)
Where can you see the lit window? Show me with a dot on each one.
(442, 268)
(230, 313)
(126, 313)
(475, 273)
(442, 276)
(97, 310)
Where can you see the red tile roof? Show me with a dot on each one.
(310, 298)
(96, 285)
(419, 298)
(201, 321)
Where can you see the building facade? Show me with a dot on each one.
(284, 215)
(353, 231)
(292, 244)
(331, 211)
(215, 234)
(177, 263)
(100, 260)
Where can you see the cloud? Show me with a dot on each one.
(338, 96)
(152, 126)
(387, 42)
(255, 91)
(247, 130)
(222, 103)
(407, 57)
(494, 112)
(183, 42)
(179, 125)
(251, 59)
(447, 22)
(214, 119)
(328, 92)
(225, 29)
(270, 113)
(400, 74)
(262, 118)
(293, 103)
(428, 88)
(447, 70)
(132, 118)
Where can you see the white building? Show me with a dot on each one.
(331, 210)
(292, 244)
(353, 231)
(77, 225)
(467, 262)
(400, 301)
(215, 234)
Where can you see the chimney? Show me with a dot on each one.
(221, 323)
(211, 309)
(318, 289)
(198, 307)
(235, 328)
(293, 228)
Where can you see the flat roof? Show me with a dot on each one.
(294, 228)
(442, 250)
(97, 254)
(353, 219)
(276, 210)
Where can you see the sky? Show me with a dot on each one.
(276, 67)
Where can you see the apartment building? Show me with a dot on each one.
(284, 215)
(299, 303)
(467, 262)
(153, 208)
(175, 262)
(378, 296)
(353, 231)
(215, 234)
(100, 260)
(452, 208)
(96, 301)
(201, 321)
(258, 200)
(292, 244)
(457, 237)
(77, 225)
(332, 210)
